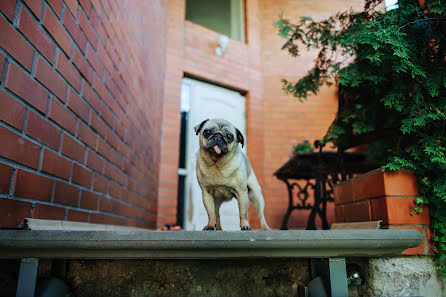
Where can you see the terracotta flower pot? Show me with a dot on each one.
(386, 196)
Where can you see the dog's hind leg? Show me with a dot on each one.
(243, 205)
(256, 198)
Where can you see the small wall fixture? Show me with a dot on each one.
(222, 44)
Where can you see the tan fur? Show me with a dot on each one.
(222, 177)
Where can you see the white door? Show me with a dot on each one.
(207, 101)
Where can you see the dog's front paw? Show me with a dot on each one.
(209, 228)
(246, 228)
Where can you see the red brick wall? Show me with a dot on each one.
(170, 139)
(80, 107)
(285, 118)
(274, 119)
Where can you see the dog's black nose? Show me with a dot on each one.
(218, 137)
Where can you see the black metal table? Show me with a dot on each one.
(318, 171)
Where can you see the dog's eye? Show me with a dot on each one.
(206, 133)
(229, 136)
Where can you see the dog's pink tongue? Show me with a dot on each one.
(217, 149)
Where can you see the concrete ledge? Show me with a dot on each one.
(201, 244)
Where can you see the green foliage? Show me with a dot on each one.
(303, 147)
(391, 71)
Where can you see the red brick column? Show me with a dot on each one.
(386, 196)
(170, 117)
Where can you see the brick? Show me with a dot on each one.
(87, 136)
(56, 5)
(72, 148)
(108, 28)
(12, 213)
(24, 87)
(18, 148)
(2, 65)
(91, 97)
(68, 71)
(378, 184)
(99, 126)
(36, 36)
(106, 59)
(107, 115)
(35, 6)
(114, 7)
(396, 211)
(40, 129)
(400, 183)
(107, 10)
(97, 25)
(66, 194)
(12, 112)
(8, 8)
(49, 78)
(81, 63)
(89, 200)
(86, 5)
(112, 53)
(77, 216)
(15, 45)
(31, 185)
(131, 186)
(51, 23)
(76, 104)
(343, 193)
(104, 149)
(357, 212)
(94, 162)
(62, 116)
(112, 103)
(115, 190)
(87, 29)
(119, 129)
(5, 178)
(74, 31)
(81, 176)
(103, 219)
(108, 205)
(339, 214)
(99, 183)
(48, 212)
(96, 5)
(114, 173)
(72, 6)
(94, 61)
(56, 165)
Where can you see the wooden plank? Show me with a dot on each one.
(55, 225)
(356, 225)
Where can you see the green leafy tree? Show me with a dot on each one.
(391, 71)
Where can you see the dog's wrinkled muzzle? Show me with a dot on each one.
(218, 144)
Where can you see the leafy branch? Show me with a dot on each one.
(392, 88)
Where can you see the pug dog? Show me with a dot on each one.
(224, 172)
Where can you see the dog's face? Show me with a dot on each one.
(218, 136)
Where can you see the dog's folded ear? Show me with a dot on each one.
(200, 126)
(240, 138)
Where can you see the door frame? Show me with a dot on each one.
(188, 170)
